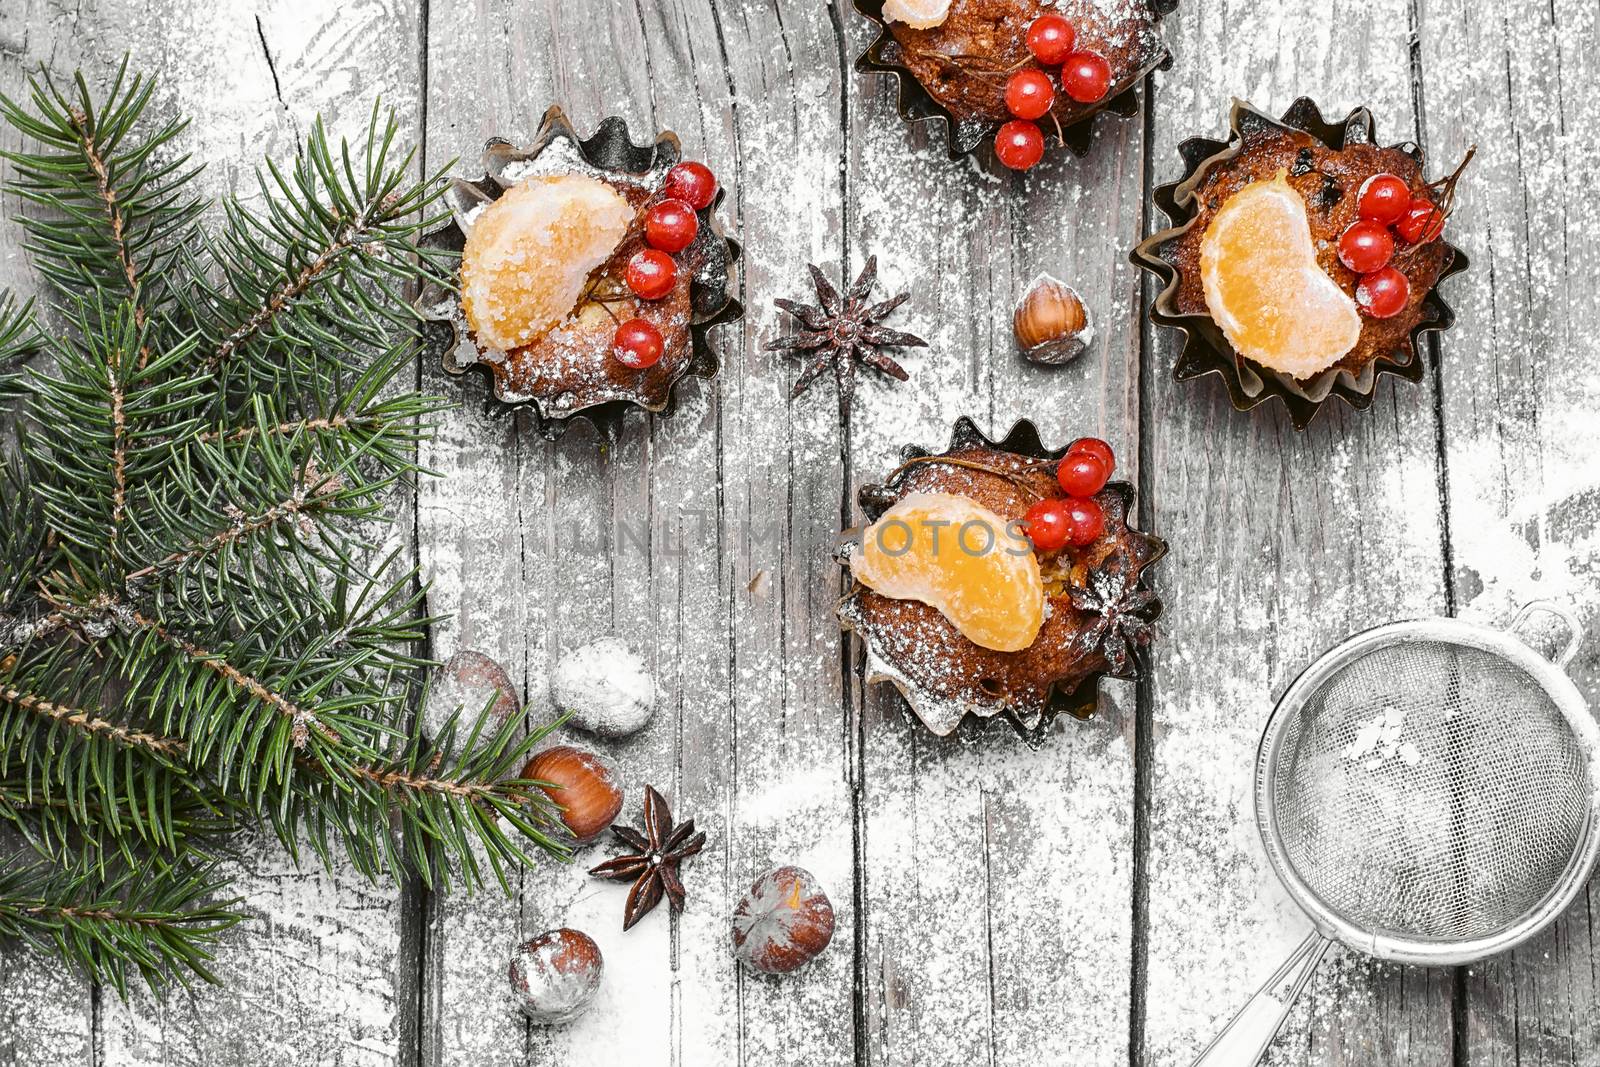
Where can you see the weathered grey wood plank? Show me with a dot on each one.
(471, 546)
(1283, 545)
(739, 734)
(997, 879)
(318, 974)
(775, 755)
(46, 1013)
(1520, 396)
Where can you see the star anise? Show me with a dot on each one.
(653, 863)
(841, 330)
(1117, 604)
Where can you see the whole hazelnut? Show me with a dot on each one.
(605, 687)
(1051, 324)
(783, 922)
(582, 785)
(467, 682)
(556, 975)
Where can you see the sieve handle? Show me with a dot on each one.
(1550, 607)
(1247, 1036)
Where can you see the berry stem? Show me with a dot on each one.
(969, 464)
(1445, 188)
(605, 292)
(969, 64)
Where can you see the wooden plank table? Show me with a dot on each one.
(1099, 900)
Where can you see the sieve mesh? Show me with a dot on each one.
(1431, 791)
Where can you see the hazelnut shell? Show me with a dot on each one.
(466, 683)
(582, 785)
(556, 975)
(1050, 323)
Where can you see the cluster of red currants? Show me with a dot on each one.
(1367, 246)
(670, 226)
(1075, 519)
(1085, 77)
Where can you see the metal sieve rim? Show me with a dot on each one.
(1504, 643)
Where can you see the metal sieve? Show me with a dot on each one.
(1426, 792)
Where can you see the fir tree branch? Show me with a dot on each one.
(114, 217)
(119, 429)
(196, 628)
(91, 440)
(305, 720)
(73, 831)
(404, 783)
(138, 784)
(19, 339)
(334, 423)
(95, 158)
(158, 922)
(297, 506)
(93, 723)
(289, 291)
(448, 797)
(15, 632)
(332, 235)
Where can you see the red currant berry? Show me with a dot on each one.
(1019, 144)
(1095, 447)
(1421, 223)
(1384, 198)
(1366, 246)
(1085, 522)
(1029, 94)
(638, 344)
(651, 274)
(671, 226)
(1086, 76)
(1050, 39)
(1046, 523)
(1082, 474)
(693, 183)
(1383, 294)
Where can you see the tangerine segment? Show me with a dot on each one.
(956, 555)
(530, 253)
(1264, 287)
(918, 14)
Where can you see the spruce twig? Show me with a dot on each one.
(195, 629)
(159, 922)
(93, 723)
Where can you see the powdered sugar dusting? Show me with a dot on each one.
(1382, 740)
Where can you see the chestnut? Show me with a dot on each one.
(783, 922)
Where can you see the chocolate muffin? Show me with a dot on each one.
(576, 360)
(1328, 165)
(1328, 180)
(567, 367)
(1098, 612)
(963, 63)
